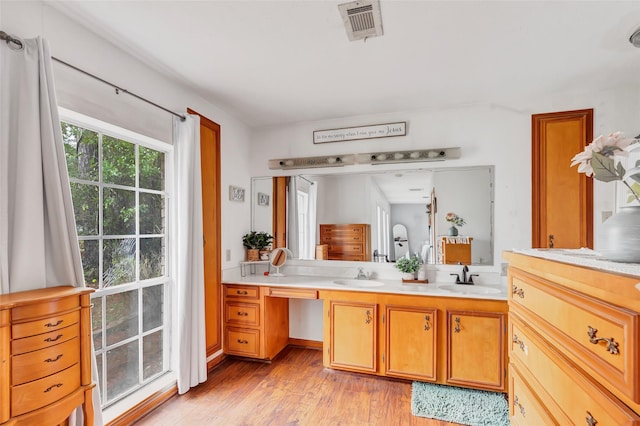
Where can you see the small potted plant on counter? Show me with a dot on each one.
(408, 266)
(255, 242)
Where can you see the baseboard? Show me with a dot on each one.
(145, 407)
(215, 362)
(303, 343)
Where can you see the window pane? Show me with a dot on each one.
(151, 168)
(90, 252)
(122, 369)
(151, 258)
(151, 213)
(152, 354)
(99, 367)
(81, 151)
(119, 260)
(96, 322)
(152, 298)
(122, 316)
(85, 207)
(119, 217)
(118, 161)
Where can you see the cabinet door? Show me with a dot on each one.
(410, 349)
(353, 340)
(475, 349)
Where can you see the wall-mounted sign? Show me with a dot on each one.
(236, 193)
(361, 132)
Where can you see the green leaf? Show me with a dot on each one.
(604, 168)
(634, 173)
(635, 188)
(638, 163)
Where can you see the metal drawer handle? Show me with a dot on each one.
(519, 342)
(427, 326)
(54, 325)
(517, 291)
(590, 420)
(57, 385)
(242, 292)
(53, 360)
(516, 403)
(612, 346)
(49, 339)
(243, 342)
(243, 314)
(457, 327)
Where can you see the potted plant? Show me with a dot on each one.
(454, 220)
(408, 266)
(255, 242)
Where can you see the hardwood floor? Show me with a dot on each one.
(293, 390)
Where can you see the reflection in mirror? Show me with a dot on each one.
(416, 199)
(400, 241)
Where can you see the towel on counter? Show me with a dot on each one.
(458, 240)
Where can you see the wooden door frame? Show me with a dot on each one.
(217, 242)
(537, 153)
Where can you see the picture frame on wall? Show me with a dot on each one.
(263, 199)
(236, 193)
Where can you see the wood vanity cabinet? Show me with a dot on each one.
(255, 325)
(454, 253)
(45, 355)
(404, 336)
(574, 342)
(350, 241)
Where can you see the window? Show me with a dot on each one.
(118, 184)
(303, 224)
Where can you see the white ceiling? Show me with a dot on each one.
(276, 62)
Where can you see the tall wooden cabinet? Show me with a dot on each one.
(574, 342)
(45, 356)
(349, 241)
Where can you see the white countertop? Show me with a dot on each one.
(441, 289)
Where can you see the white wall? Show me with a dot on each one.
(80, 47)
(487, 134)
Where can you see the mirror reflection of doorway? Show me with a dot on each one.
(400, 241)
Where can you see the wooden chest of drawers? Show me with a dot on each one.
(45, 355)
(575, 336)
(347, 241)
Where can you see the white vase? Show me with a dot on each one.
(620, 236)
(408, 276)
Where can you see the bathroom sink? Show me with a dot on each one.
(469, 289)
(359, 283)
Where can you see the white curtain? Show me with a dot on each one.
(189, 254)
(38, 241)
(310, 242)
(293, 231)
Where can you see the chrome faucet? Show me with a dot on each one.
(361, 275)
(468, 280)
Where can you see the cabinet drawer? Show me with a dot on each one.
(44, 362)
(238, 313)
(33, 343)
(344, 237)
(356, 248)
(33, 395)
(570, 395)
(524, 407)
(45, 308)
(44, 325)
(601, 338)
(243, 342)
(341, 229)
(242, 292)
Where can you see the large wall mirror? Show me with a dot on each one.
(406, 212)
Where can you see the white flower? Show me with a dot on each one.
(612, 145)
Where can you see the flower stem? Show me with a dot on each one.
(632, 191)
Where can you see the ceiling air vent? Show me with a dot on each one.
(361, 19)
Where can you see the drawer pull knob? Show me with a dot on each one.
(53, 325)
(518, 292)
(457, 327)
(53, 360)
(516, 403)
(519, 342)
(49, 339)
(57, 385)
(243, 341)
(242, 292)
(612, 346)
(243, 314)
(590, 420)
(427, 326)
(368, 319)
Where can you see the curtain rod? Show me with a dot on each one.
(304, 178)
(17, 42)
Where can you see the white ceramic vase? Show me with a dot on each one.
(620, 236)
(408, 276)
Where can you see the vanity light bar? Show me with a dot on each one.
(388, 157)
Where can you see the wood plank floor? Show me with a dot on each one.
(295, 389)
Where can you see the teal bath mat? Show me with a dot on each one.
(458, 405)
